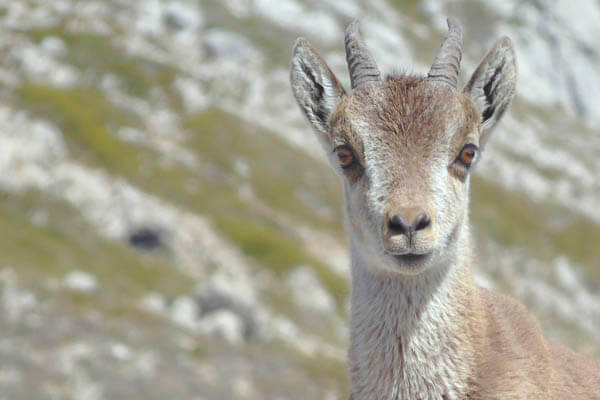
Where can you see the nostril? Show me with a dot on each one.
(421, 222)
(398, 225)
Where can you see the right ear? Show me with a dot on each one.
(315, 87)
(492, 86)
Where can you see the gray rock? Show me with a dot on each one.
(80, 281)
(224, 324)
(213, 301)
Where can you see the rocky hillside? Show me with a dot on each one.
(170, 228)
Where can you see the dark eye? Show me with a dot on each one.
(345, 156)
(467, 154)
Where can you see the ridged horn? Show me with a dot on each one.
(361, 64)
(447, 62)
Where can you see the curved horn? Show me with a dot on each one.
(447, 62)
(361, 64)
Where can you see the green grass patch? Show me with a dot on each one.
(277, 250)
(265, 243)
(330, 372)
(283, 177)
(96, 55)
(324, 372)
(87, 120)
(65, 243)
(409, 8)
(275, 42)
(547, 231)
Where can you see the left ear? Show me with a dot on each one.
(315, 87)
(492, 86)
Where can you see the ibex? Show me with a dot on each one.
(404, 147)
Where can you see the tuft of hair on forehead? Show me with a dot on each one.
(415, 110)
(404, 76)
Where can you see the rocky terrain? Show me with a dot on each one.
(170, 228)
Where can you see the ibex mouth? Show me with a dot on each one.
(411, 258)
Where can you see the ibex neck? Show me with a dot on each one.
(409, 334)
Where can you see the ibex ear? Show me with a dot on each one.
(492, 86)
(315, 87)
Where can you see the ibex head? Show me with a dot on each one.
(404, 146)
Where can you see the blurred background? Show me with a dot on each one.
(169, 227)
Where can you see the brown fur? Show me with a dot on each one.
(515, 361)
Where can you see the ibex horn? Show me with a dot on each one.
(447, 62)
(361, 64)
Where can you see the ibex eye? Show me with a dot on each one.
(467, 154)
(345, 156)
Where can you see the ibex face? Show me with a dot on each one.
(406, 190)
(404, 146)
